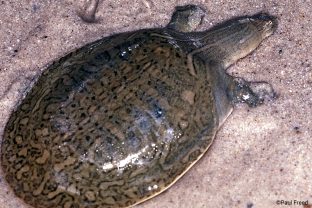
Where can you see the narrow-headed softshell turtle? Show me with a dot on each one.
(120, 120)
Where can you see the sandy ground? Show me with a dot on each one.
(260, 156)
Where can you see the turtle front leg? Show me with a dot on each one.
(251, 93)
(186, 18)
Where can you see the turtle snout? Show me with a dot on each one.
(266, 23)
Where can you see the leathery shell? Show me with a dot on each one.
(111, 124)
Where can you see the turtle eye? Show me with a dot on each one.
(268, 23)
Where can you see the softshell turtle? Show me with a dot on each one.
(120, 120)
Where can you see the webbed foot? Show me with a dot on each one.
(186, 18)
(251, 93)
(87, 12)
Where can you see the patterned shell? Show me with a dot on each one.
(111, 124)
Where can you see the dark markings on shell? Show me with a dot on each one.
(110, 124)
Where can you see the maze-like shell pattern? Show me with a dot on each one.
(110, 125)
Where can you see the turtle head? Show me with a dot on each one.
(248, 33)
(236, 38)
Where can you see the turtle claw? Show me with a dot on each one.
(186, 18)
